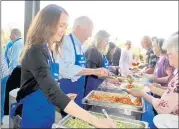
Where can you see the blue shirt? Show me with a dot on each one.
(68, 69)
(8, 46)
(14, 53)
(4, 71)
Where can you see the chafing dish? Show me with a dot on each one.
(116, 109)
(71, 122)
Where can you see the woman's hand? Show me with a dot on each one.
(136, 92)
(72, 96)
(105, 123)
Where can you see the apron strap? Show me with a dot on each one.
(51, 59)
(14, 107)
(71, 37)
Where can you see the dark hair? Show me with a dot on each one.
(112, 45)
(160, 44)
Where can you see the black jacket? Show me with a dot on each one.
(12, 83)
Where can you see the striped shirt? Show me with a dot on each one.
(4, 71)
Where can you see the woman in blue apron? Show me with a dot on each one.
(39, 92)
(96, 59)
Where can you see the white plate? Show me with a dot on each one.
(166, 121)
(141, 85)
(123, 85)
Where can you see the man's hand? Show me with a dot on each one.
(101, 72)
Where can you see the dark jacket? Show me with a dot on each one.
(116, 57)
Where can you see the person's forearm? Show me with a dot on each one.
(161, 80)
(86, 71)
(147, 97)
(74, 110)
(163, 87)
(158, 91)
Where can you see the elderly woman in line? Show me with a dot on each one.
(168, 103)
(163, 70)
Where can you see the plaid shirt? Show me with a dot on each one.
(151, 59)
(4, 70)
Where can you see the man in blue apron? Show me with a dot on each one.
(44, 111)
(73, 63)
(76, 87)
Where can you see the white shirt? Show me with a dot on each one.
(125, 61)
(68, 69)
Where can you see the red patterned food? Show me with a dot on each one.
(101, 96)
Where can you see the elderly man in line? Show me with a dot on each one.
(151, 58)
(16, 49)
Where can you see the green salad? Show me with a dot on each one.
(76, 123)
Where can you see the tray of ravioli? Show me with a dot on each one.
(72, 122)
(119, 100)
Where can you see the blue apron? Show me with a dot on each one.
(75, 87)
(110, 63)
(37, 111)
(92, 82)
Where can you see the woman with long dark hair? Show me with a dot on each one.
(39, 92)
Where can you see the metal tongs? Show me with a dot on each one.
(105, 113)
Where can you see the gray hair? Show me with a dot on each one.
(100, 35)
(160, 43)
(147, 38)
(171, 43)
(16, 32)
(127, 42)
(83, 22)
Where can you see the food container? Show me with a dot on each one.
(116, 109)
(72, 122)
